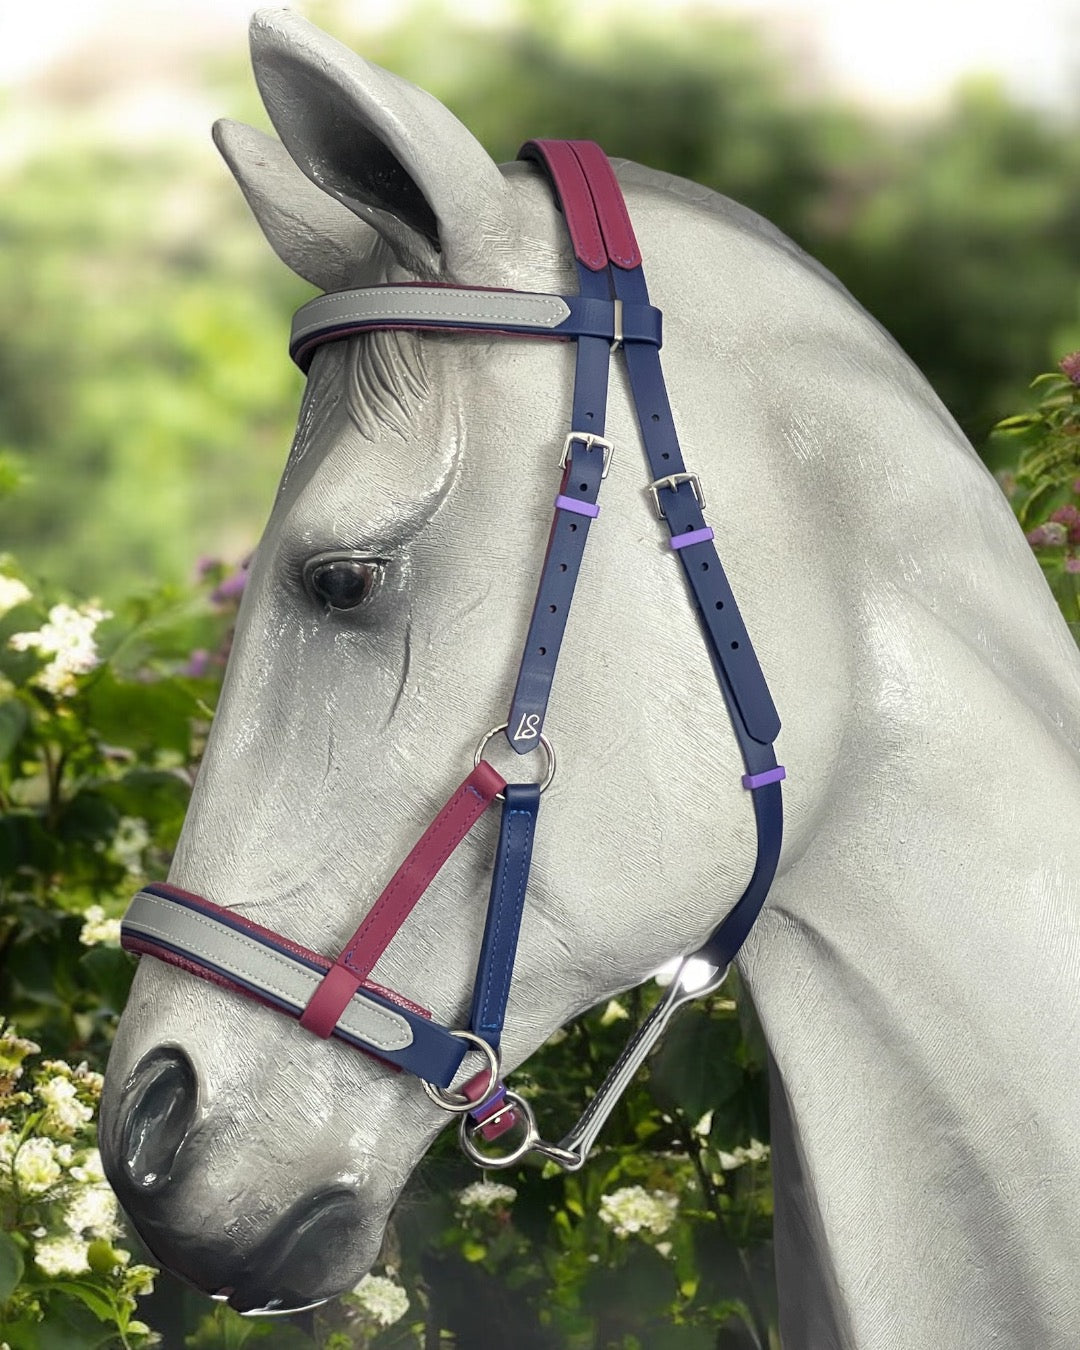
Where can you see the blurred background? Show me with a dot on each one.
(927, 153)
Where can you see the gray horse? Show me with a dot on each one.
(917, 966)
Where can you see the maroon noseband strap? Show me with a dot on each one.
(396, 903)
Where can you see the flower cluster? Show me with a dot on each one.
(382, 1299)
(633, 1209)
(68, 638)
(1062, 527)
(486, 1195)
(97, 929)
(54, 1198)
(756, 1153)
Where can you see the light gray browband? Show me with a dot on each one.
(256, 965)
(437, 304)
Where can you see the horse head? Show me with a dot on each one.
(379, 639)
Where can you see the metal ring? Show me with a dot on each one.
(466, 1133)
(456, 1102)
(549, 750)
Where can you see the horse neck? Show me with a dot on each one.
(914, 968)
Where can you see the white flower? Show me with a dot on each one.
(97, 928)
(704, 1125)
(36, 1168)
(8, 1140)
(62, 1256)
(89, 1079)
(68, 639)
(614, 1012)
(12, 593)
(90, 1169)
(93, 1211)
(382, 1299)
(131, 839)
(65, 1112)
(632, 1209)
(486, 1195)
(757, 1152)
(140, 1279)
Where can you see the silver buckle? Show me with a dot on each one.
(672, 481)
(588, 440)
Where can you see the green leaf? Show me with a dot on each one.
(100, 1304)
(14, 720)
(11, 1267)
(87, 819)
(156, 795)
(110, 972)
(156, 715)
(697, 1066)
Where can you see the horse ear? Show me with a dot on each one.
(321, 240)
(388, 151)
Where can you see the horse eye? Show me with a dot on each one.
(341, 583)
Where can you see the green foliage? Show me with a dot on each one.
(1043, 445)
(145, 389)
(64, 1281)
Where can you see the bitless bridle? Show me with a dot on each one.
(337, 998)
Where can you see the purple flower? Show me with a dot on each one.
(1051, 535)
(1070, 365)
(232, 587)
(198, 664)
(204, 565)
(1072, 564)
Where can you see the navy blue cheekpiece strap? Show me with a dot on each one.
(678, 497)
(508, 885)
(586, 459)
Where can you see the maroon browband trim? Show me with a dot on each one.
(393, 907)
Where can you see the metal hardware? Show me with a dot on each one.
(617, 340)
(549, 750)
(588, 440)
(456, 1102)
(571, 1151)
(672, 481)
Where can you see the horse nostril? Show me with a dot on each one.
(163, 1095)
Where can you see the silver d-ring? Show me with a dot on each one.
(456, 1102)
(548, 749)
(523, 1111)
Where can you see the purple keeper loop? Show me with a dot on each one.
(756, 780)
(490, 1107)
(581, 508)
(691, 537)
